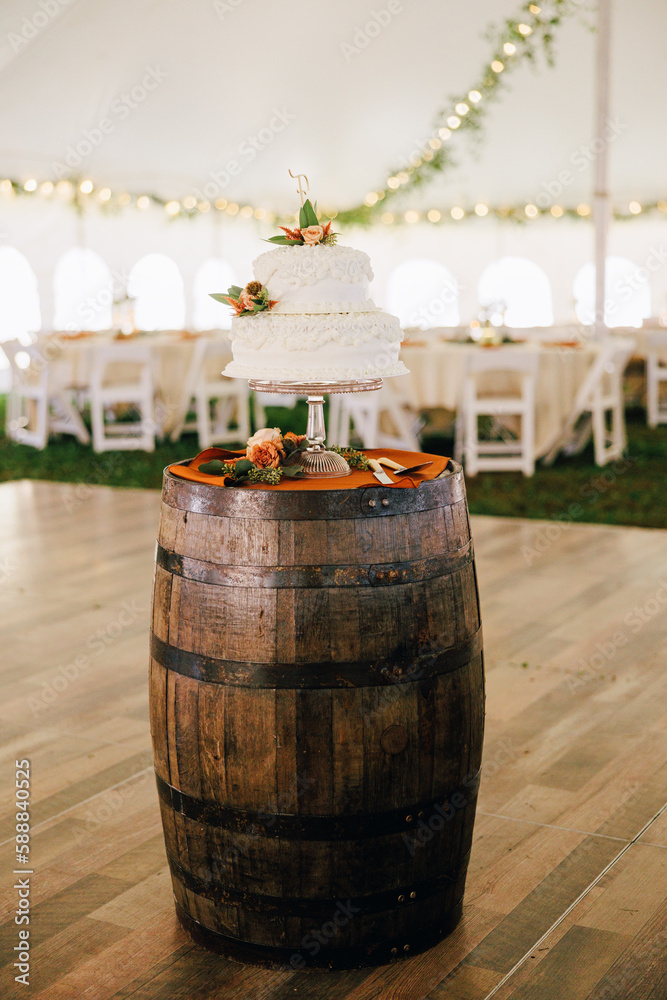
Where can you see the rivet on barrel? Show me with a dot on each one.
(385, 502)
(371, 503)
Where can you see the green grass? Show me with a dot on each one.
(631, 491)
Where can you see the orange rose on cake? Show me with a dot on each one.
(312, 235)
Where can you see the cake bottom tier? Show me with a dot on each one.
(333, 346)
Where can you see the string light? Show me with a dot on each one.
(453, 121)
(509, 48)
(434, 143)
(189, 205)
(427, 154)
(524, 29)
(474, 96)
(444, 134)
(497, 66)
(462, 109)
(534, 9)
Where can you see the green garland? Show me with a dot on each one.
(517, 40)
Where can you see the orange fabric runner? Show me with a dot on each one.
(356, 479)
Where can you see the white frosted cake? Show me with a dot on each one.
(320, 324)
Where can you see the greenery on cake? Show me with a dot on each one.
(246, 301)
(309, 231)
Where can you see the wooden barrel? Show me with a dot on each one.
(317, 706)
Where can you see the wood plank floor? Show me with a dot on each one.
(566, 890)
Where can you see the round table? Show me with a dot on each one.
(172, 355)
(437, 371)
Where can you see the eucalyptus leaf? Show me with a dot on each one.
(292, 471)
(243, 466)
(213, 468)
(234, 291)
(219, 297)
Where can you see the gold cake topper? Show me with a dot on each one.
(297, 177)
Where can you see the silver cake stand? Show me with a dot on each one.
(316, 461)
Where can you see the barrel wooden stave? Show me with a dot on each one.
(315, 753)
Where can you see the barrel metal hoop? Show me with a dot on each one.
(317, 908)
(312, 505)
(304, 676)
(346, 957)
(409, 820)
(278, 577)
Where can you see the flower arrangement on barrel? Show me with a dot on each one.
(269, 456)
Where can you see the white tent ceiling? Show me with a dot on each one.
(227, 66)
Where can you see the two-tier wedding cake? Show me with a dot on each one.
(307, 316)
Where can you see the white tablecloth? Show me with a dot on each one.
(436, 380)
(172, 355)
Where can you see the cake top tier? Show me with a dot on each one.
(306, 265)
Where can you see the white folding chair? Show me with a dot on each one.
(656, 372)
(122, 376)
(221, 404)
(600, 396)
(39, 402)
(509, 453)
(381, 419)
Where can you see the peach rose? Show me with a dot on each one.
(312, 235)
(246, 300)
(265, 434)
(265, 456)
(297, 438)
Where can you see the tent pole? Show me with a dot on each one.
(601, 201)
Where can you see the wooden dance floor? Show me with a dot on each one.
(566, 889)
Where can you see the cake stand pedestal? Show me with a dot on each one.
(316, 461)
